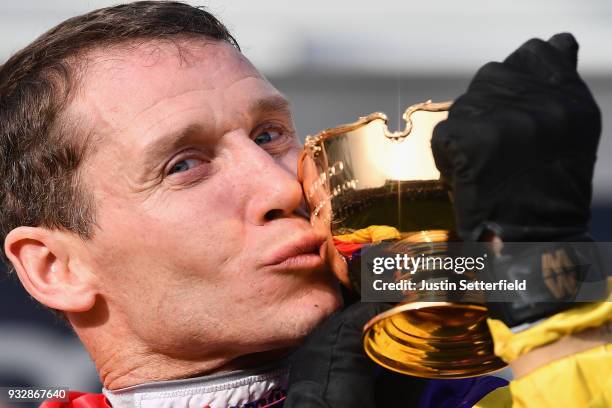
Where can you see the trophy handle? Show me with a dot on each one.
(312, 143)
(428, 106)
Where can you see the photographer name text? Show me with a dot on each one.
(408, 285)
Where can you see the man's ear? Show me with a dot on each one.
(50, 269)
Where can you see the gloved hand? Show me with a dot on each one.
(331, 368)
(518, 148)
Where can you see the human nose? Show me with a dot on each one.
(276, 192)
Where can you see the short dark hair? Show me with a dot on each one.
(39, 153)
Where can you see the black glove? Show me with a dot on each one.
(518, 148)
(331, 369)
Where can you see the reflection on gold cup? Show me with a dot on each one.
(361, 175)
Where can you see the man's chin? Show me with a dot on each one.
(319, 309)
(287, 323)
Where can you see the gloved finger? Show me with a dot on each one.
(442, 150)
(541, 61)
(567, 45)
(498, 80)
(461, 144)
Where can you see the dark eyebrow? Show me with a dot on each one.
(272, 104)
(163, 145)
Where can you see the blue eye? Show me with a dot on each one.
(184, 165)
(266, 137)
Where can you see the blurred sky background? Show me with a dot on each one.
(335, 61)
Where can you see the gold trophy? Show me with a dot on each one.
(361, 176)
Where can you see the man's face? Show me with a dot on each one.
(198, 245)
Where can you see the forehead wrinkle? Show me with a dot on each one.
(239, 63)
(123, 60)
(147, 53)
(167, 100)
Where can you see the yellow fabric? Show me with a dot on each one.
(373, 233)
(509, 346)
(498, 398)
(583, 379)
(580, 380)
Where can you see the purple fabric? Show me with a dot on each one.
(463, 393)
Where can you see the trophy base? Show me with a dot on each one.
(432, 340)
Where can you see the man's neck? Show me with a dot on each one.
(117, 373)
(122, 361)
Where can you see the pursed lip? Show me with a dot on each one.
(301, 252)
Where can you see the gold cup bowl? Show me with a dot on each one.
(361, 175)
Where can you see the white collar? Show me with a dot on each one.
(241, 389)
